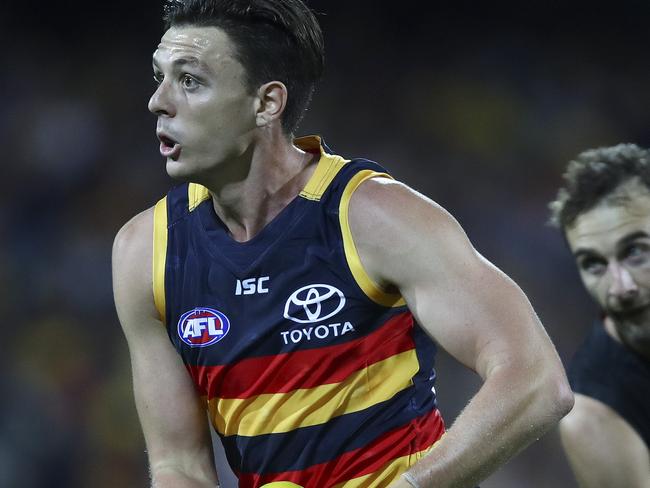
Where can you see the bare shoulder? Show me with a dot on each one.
(387, 202)
(134, 237)
(132, 267)
(390, 222)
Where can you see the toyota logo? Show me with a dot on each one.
(313, 303)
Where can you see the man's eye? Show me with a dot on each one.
(592, 266)
(636, 253)
(189, 82)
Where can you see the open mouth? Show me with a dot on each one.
(169, 148)
(167, 141)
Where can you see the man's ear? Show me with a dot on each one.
(272, 98)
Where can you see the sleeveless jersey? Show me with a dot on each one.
(311, 373)
(611, 373)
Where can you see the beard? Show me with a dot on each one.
(633, 327)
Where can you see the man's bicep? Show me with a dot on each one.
(467, 314)
(466, 304)
(474, 311)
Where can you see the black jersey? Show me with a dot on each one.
(609, 372)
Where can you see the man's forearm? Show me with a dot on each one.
(180, 480)
(170, 476)
(508, 413)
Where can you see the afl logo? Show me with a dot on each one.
(202, 327)
(313, 303)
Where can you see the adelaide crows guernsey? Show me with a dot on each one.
(310, 372)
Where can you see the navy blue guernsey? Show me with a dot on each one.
(611, 373)
(310, 372)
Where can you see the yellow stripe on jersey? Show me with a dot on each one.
(159, 256)
(369, 287)
(386, 474)
(327, 168)
(273, 413)
(382, 477)
(195, 195)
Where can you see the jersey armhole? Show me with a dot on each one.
(372, 290)
(159, 256)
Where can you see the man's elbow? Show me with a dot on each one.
(557, 395)
(563, 395)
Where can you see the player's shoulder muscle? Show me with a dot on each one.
(132, 267)
(398, 232)
(391, 214)
(391, 203)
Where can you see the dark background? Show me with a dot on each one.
(479, 107)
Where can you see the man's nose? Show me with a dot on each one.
(160, 102)
(622, 288)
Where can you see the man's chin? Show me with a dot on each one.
(635, 334)
(180, 171)
(632, 324)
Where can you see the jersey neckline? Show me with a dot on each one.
(218, 237)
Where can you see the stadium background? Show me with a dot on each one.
(478, 106)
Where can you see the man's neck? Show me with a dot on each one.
(261, 186)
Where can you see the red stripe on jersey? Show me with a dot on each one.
(304, 369)
(416, 436)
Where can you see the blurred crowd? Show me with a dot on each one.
(479, 108)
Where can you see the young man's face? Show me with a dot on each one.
(206, 115)
(611, 245)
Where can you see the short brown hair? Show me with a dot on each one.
(594, 175)
(276, 40)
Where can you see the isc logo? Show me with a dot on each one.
(202, 327)
(251, 286)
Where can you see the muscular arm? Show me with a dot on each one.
(172, 417)
(478, 315)
(602, 448)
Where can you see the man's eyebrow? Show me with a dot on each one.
(584, 251)
(632, 237)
